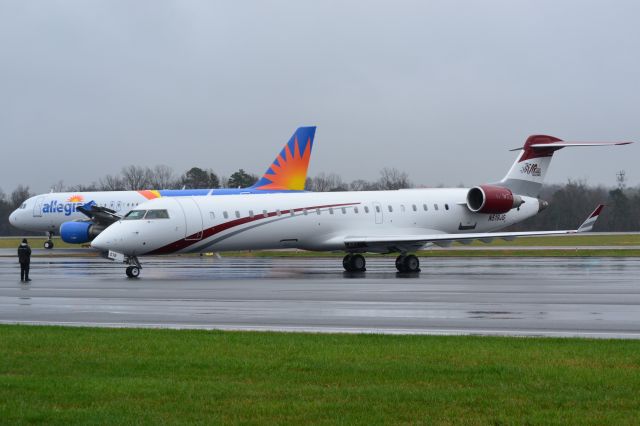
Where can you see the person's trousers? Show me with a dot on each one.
(24, 271)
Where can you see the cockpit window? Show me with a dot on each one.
(135, 215)
(157, 214)
(23, 206)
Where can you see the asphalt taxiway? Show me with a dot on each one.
(588, 297)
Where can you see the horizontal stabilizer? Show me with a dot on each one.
(566, 144)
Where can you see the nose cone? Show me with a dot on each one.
(13, 218)
(103, 241)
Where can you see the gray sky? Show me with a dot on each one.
(439, 89)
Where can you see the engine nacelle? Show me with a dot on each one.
(79, 232)
(492, 199)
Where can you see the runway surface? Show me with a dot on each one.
(588, 297)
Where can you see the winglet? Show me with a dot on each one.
(591, 220)
(288, 172)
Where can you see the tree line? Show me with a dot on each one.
(569, 204)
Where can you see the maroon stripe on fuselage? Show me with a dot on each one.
(191, 239)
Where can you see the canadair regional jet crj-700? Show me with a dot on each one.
(400, 221)
(81, 216)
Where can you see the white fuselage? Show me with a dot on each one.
(46, 212)
(310, 220)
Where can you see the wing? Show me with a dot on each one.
(99, 215)
(394, 243)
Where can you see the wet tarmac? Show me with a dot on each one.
(587, 297)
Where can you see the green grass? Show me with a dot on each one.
(35, 242)
(586, 240)
(54, 375)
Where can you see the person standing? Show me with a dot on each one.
(24, 257)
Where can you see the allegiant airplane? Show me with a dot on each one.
(81, 216)
(400, 221)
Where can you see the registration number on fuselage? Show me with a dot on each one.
(497, 217)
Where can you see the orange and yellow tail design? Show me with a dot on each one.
(289, 170)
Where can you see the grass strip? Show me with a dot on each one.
(57, 375)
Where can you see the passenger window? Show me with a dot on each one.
(415, 209)
(225, 214)
(390, 208)
(251, 214)
(435, 207)
(237, 214)
(344, 210)
(318, 212)
(425, 208)
(378, 209)
(446, 206)
(330, 210)
(304, 212)
(366, 209)
(157, 214)
(355, 210)
(134, 215)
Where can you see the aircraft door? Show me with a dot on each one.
(377, 211)
(193, 218)
(37, 207)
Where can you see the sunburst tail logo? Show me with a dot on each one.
(289, 170)
(76, 199)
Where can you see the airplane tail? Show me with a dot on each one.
(288, 172)
(527, 173)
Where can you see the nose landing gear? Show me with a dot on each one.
(49, 243)
(133, 271)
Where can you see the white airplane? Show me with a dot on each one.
(400, 221)
(80, 216)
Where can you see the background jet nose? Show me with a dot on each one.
(13, 218)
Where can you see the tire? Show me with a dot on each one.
(358, 263)
(346, 263)
(411, 263)
(48, 244)
(400, 263)
(133, 271)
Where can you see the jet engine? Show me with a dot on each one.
(79, 232)
(492, 199)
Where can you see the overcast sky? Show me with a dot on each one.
(439, 89)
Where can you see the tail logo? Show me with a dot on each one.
(289, 170)
(531, 169)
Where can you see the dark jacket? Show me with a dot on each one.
(24, 253)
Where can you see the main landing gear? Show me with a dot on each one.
(49, 243)
(133, 271)
(405, 263)
(354, 263)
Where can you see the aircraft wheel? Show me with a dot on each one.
(354, 263)
(400, 263)
(48, 244)
(411, 263)
(346, 262)
(133, 271)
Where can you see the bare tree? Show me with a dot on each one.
(58, 186)
(162, 177)
(392, 178)
(111, 183)
(136, 177)
(18, 195)
(327, 182)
